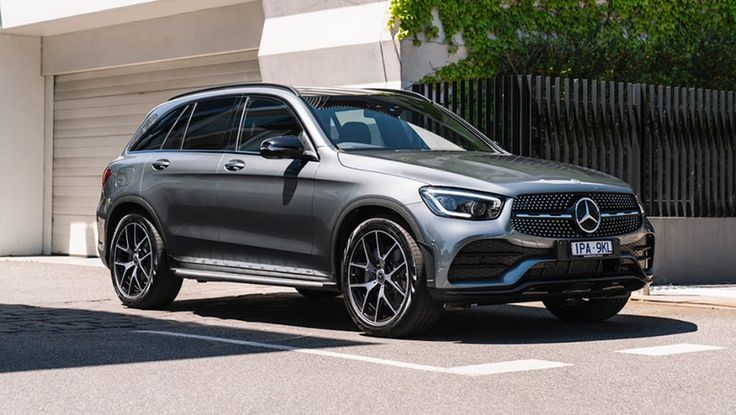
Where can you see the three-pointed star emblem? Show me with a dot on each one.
(587, 215)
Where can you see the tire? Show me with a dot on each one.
(388, 296)
(316, 294)
(586, 310)
(139, 267)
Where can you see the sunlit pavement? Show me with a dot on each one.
(66, 344)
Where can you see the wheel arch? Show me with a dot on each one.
(124, 206)
(363, 209)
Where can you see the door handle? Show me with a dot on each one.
(161, 164)
(235, 165)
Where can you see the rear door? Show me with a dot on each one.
(266, 205)
(181, 179)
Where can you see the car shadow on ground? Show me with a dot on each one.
(524, 324)
(39, 338)
(504, 324)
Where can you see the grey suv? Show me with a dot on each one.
(380, 195)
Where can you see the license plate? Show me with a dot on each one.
(591, 248)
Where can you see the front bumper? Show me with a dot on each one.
(535, 267)
(588, 287)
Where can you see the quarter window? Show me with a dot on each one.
(155, 135)
(212, 124)
(176, 135)
(266, 118)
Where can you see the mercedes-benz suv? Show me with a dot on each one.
(381, 196)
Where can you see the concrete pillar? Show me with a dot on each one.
(21, 146)
(329, 43)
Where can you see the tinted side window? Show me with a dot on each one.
(266, 118)
(176, 135)
(211, 125)
(155, 135)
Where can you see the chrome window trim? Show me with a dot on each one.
(181, 114)
(310, 147)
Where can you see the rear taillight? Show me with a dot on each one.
(105, 176)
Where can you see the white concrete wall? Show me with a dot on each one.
(694, 250)
(21, 145)
(225, 29)
(329, 43)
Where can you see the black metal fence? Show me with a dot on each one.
(675, 146)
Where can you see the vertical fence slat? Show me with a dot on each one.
(488, 105)
(731, 148)
(527, 114)
(672, 96)
(666, 154)
(621, 131)
(722, 152)
(517, 102)
(469, 107)
(541, 133)
(606, 167)
(594, 136)
(635, 124)
(585, 126)
(575, 100)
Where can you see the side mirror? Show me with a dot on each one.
(282, 147)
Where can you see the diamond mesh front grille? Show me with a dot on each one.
(561, 203)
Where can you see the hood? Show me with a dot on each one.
(502, 173)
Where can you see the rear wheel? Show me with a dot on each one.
(384, 283)
(316, 294)
(586, 309)
(139, 267)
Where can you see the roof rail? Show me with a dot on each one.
(403, 92)
(217, 88)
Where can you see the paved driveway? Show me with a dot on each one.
(67, 345)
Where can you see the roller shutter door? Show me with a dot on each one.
(96, 113)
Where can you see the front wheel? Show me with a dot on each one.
(138, 265)
(384, 283)
(587, 310)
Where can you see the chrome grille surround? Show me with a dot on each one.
(549, 215)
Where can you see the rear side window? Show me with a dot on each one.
(212, 124)
(156, 134)
(266, 118)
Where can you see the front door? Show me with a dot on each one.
(265, 204)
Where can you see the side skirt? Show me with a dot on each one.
(202, 272)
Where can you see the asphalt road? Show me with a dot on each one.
(66, 345)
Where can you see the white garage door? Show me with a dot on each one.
(96, 113)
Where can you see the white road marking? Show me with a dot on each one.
(506, 367)
(670, 349)
(473, 370)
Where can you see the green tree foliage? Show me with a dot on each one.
(673, 42)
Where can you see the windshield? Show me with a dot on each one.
(392, 122)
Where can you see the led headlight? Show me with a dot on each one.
(463, 204)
